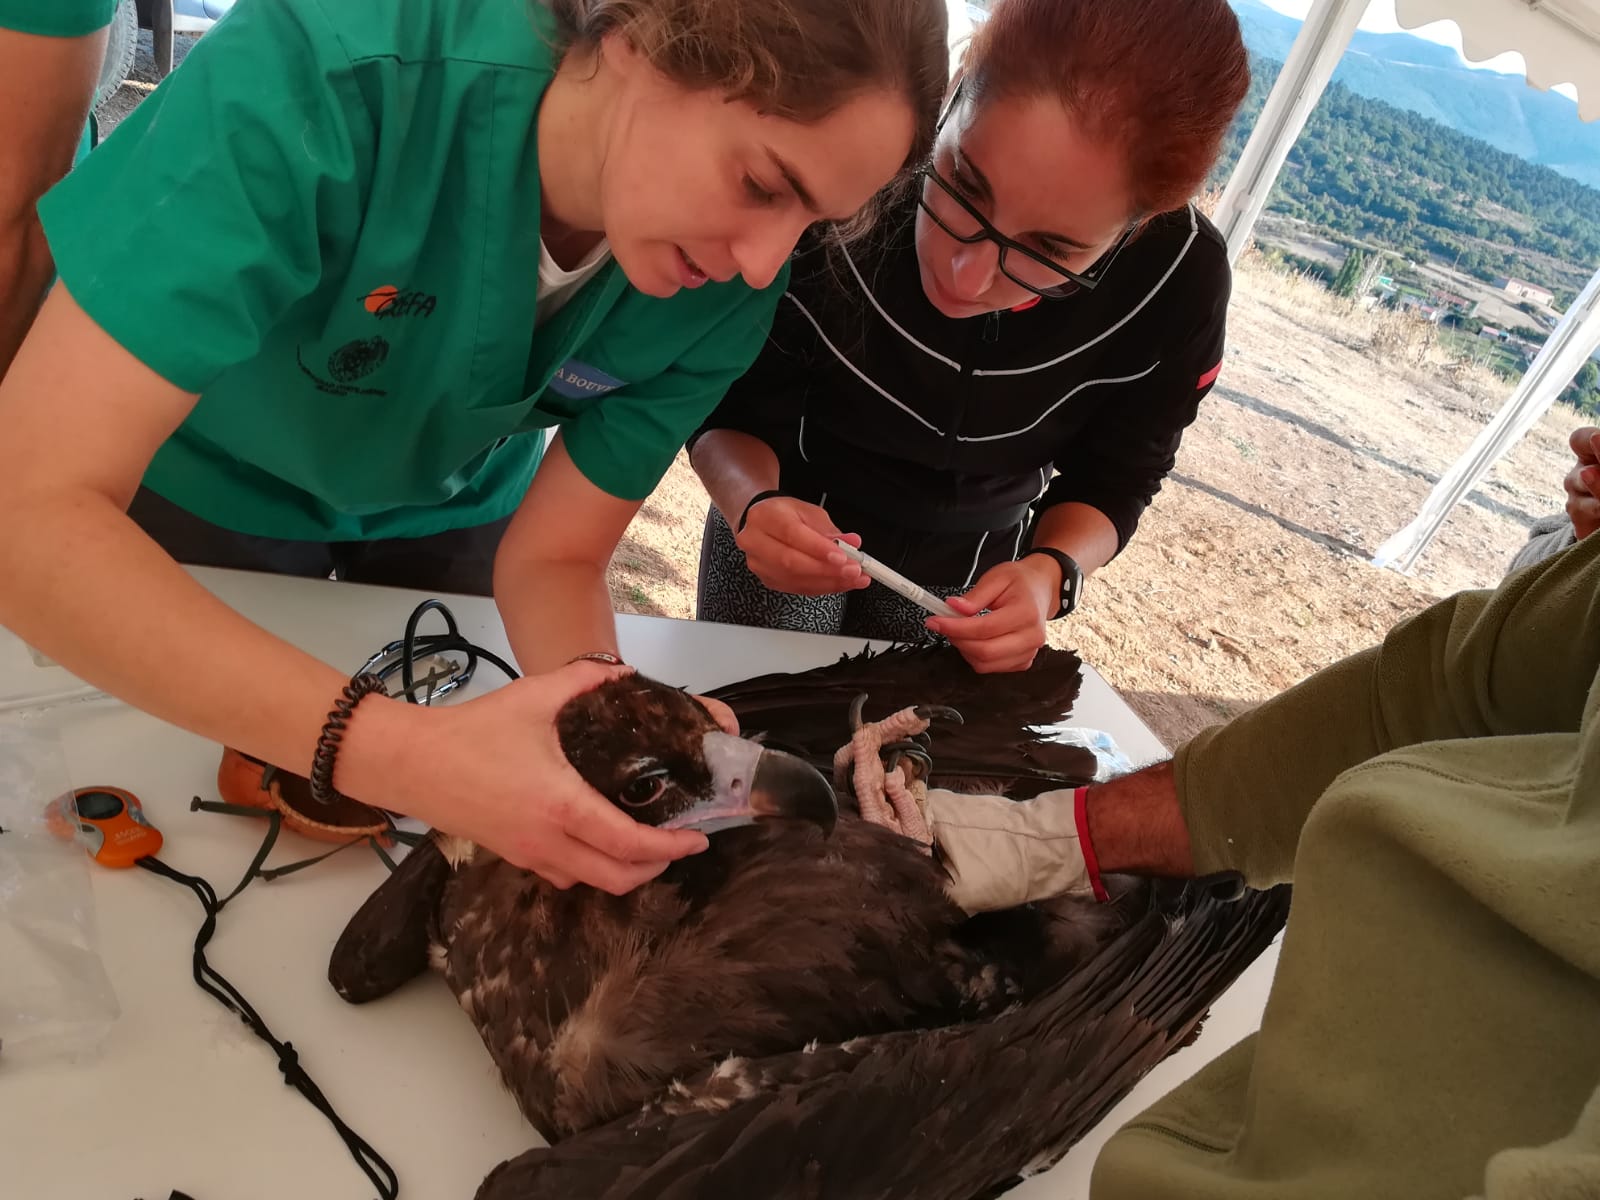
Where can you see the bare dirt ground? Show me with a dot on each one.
(1323, 436)
(1250, 570)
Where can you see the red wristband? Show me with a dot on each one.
(1080, 812)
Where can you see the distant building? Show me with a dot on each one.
(1489, 331)
(1525, 291)
(1418, 306)
(1454, 303)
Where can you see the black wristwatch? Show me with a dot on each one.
(1071, 578)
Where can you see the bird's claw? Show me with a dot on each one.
(939, 712)
(857, 707)
(914, 751)
(888, 764)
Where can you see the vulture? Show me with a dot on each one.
(801, 1011)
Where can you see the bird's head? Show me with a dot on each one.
(658, 755)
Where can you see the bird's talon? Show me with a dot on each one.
(857, 706)
(922, 759)
(939, 712)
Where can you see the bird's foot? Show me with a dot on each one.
(890, 793)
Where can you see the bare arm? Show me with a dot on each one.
(46, 85)
(1079, 530)
(550, 570)
(82, 582)
(1136, 824)
(734, 467)
(787, 542)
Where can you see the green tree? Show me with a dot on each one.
(1583, 393)
(1349, 276)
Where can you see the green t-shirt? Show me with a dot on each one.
(330, 231)
(59, 18)
(56, 18)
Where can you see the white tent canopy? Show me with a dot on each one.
(1559, 41)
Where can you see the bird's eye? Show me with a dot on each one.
(644, 789)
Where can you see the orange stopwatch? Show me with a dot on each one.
(109, 823)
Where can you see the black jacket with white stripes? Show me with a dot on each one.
(936, 439)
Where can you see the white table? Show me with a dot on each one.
(183, 1096)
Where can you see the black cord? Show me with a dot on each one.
(213, 984)
(436, 643)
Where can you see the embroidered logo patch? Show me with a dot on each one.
(576, 379)
(388, 301)
(356, 359)
(350, 362)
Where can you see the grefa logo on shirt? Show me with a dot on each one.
(576, 379)
(388, 301)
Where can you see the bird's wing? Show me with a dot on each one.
(386, 942)
(945, 1114)
(999, 747)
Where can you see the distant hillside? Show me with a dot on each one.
(1426, 78)
(1364, 169)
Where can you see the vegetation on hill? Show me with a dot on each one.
(1366, 170)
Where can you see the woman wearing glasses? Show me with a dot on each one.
(989, 394)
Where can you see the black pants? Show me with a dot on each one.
(730, 592)
(458, 560)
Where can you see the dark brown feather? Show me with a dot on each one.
(776, 936)
(386, 942)
(948, 1114)
(998, 747)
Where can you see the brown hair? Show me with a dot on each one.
(1162, 79)
(799, 59)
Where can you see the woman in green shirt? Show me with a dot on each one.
(376, 261)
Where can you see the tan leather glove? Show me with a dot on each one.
(1001, 853)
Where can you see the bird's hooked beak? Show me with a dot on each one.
(750, 782)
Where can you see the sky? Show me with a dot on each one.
(1380, 19)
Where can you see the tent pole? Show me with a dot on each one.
(1316, 52)
(1573, 340)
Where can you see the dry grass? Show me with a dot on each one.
(1402, 340)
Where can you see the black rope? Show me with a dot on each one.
(450, 641)
(213, 984)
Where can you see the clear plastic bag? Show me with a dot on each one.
(1109, 759)
(55, 997)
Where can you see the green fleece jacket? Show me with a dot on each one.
(1434, 1026)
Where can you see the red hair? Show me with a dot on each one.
(1162, 79)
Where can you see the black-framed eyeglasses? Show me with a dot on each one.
(1033, 271)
